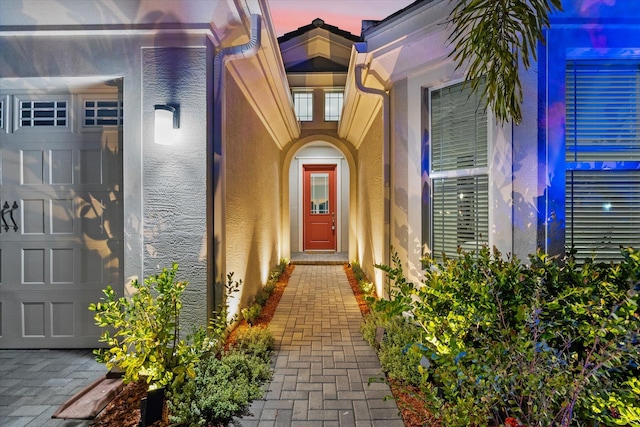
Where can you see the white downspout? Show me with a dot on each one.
(361, 48)
(219, 156)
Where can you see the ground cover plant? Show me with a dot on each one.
(489, 340)
(230, 367)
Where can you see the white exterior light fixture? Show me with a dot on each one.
(166, 121)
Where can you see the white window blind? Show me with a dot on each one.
(603, 212)
(602, 112)
(602, 197)
(458, 129)
(460, 214)
(459, 184)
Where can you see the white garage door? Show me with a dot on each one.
(61, 225)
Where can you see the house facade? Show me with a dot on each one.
(320, 140)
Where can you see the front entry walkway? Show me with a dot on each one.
(322, 364)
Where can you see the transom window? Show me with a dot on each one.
(303, 105)
(43, 113)
(458, 170)
(102, 113)
(602, 158)
(333, 105)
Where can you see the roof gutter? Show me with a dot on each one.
(361, 59)
(218, 240)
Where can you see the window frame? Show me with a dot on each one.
(309, 117)
(328, 92)
(455, 174)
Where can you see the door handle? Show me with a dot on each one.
(333, 220)
(9, 209)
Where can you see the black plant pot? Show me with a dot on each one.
(151, 407)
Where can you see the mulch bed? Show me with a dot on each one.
(124, 410)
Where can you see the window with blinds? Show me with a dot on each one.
(458, 128)
(602, 155)
(459, 173)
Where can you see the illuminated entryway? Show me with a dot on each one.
(319, 224)
(61, 186)
(319, 207)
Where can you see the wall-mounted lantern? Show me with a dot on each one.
(166, 121)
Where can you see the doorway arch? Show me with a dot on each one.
(320, 149)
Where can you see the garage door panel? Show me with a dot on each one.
(68, 246)
(62, 216)
(61, 166)
(32, 319)
(33, 267)
(33, 216)
(90, 166)
(32, 164)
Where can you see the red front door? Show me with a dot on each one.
(319, 196)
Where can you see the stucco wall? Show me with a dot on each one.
(406, 231)
(370, 201)
(175, 176)
(526, 189)
(253, 185)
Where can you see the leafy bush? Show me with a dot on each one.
(256, 341)
(225, 385)
(222, 389)
(145, 342)
(366, 287)
(400, 350)
(358, 274)
(251, 313)
(551, 343)
(263, 295)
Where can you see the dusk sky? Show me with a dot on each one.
(288, 15)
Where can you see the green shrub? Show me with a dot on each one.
(262, 296)
(255, 341)
(221, 390)
(550, 343)
(400, 351)
(358, 274)
(251, 313)
(270, 287)
(366, 287)
(143, 332)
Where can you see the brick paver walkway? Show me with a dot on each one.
(322, 364)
